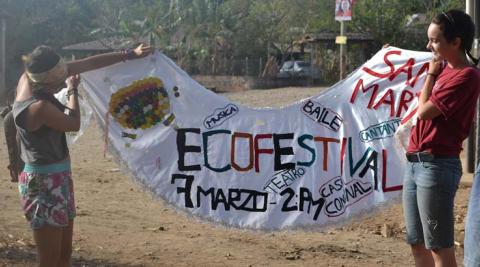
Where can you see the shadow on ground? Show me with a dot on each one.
(19, 257)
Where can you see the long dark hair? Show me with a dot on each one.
(41, 59)
(456, 23)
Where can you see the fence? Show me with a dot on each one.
(254, 67)
(224, 67)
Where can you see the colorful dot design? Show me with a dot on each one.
(140, 105)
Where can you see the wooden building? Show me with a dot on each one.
(324, 52)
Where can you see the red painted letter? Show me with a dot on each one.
(364, 90)
(384, 176)
(390, 101)
(250, 147)
(325, 141)
(385, 58)
(259, 151)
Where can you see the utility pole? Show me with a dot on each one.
(473, 154)
(342, 51)
(3, 31)
(472, 138)
(343, 12)
(476, 53)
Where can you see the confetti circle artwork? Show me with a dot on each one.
(140, 105)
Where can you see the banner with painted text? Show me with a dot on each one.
(317, 162)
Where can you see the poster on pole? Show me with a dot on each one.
(343, 10)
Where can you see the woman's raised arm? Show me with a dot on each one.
(103, 60)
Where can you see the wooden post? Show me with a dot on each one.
(342, 52)
(472, 10)
(3, 54)
(260, 67)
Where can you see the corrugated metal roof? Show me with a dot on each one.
(330, 37)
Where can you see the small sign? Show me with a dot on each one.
(341, 39)
(343, 10)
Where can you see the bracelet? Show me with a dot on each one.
(70, 112)
(433, 75)
(127, 54)
(72, 91)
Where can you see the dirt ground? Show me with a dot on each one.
(119, 225)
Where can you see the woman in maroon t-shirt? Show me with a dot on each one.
(446, 108)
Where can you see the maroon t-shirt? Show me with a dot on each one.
(455, 94)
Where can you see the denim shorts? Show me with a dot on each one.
(428, 192)
(472, 225)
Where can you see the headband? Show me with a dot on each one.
(57, 73)
(449, 18)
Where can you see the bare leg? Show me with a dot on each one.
(66, 247)
(423, 257)
(444, 257)
(49, 241)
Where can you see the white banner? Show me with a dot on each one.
(85, 115)
(317, 162)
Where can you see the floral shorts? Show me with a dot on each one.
(46, 196)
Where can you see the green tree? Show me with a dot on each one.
(387, 20)
(210, 35)
(35, 22)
